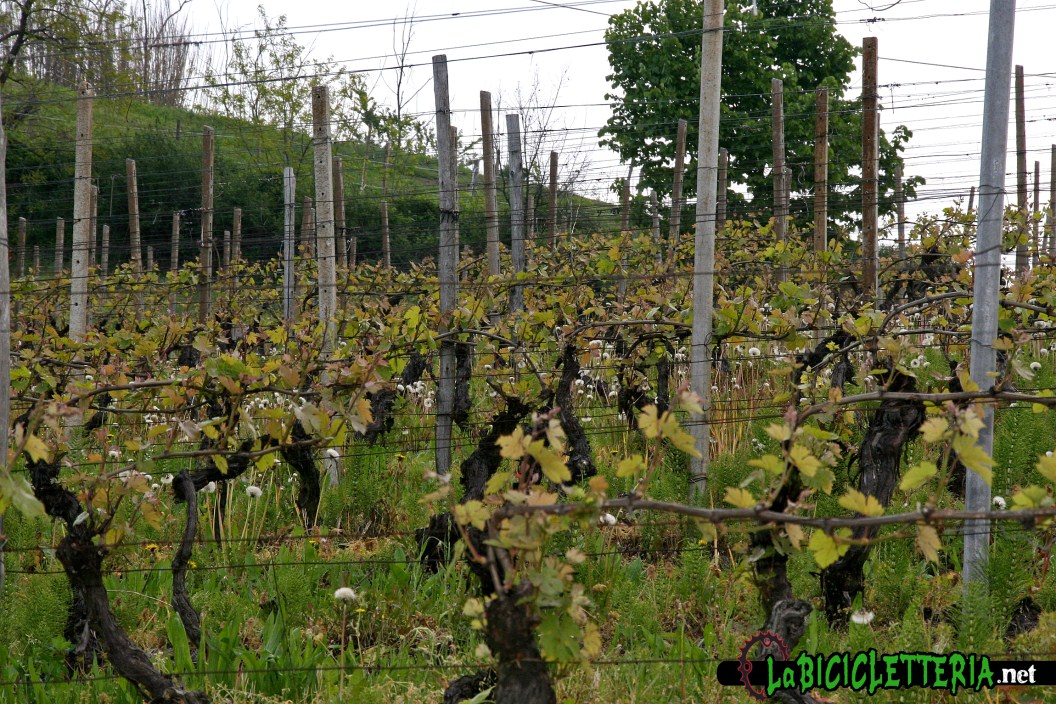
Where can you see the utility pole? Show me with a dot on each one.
(704, 240)
(987, 279)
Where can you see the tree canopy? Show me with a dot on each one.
(654, 56)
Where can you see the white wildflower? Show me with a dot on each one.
(999, 503)
(331, 452)
(862, 617)
(166, 479)
(209, 488)
(607, 519)
(754, 352)
(345, 594)
(253, 492)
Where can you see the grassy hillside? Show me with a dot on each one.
(166, 144)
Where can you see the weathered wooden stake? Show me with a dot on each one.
(104, 259)
(513, 144)
(971, 199)
(821, 169)
(82, 215)
(1035, 244)
(386, 246)
(307, 228)
(1052, 203)
(870, 166)
(340, 231)
(491, 207)
(236, 235)
(701, 343)
(777, 127)
(324, 226)
(675, 221)
(226, 260)
(447, 260)
(36, 260)
(289, 217)
(1022, 251)
(150, 258)
(133, 217)
(21, 242)
(551, 219)
(205, 257)
(654, 211)
(60, 245)
(720, 188)
(900, 211)
(93, 226)
(174, 255)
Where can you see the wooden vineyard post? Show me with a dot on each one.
(1022, 252)
(513, 143)
(225, 258)
(654, 228)
(21, 246)
(971, 199)
(530, 205)
(307, 228)
(386, 241)
(5, 337)
(60, 245)
(1052, 204)
(675, 223)
(551, 217)
(870, 173)
(236, 235)
(104, 258)
(777, 96)
(82, 216)
(289, 217)
(704, 242)
(174, 255)
(720, 190)
(150, 259)
(324, 226)
(1035, 245)
(491, 207)
(133, 217)
(625, 233)
(205, 257)
(447, 261)
(93, 225)
(340, 231)
(821, 169)
(900, 210)
(36, 260)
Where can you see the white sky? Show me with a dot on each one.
(943, 106)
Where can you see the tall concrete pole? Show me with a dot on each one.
(704, 238)
(987, 284)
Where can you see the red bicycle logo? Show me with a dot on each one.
(770, 642)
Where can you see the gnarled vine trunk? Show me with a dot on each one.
(893, 424)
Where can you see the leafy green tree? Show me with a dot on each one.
(267, 84)
(654, 55)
